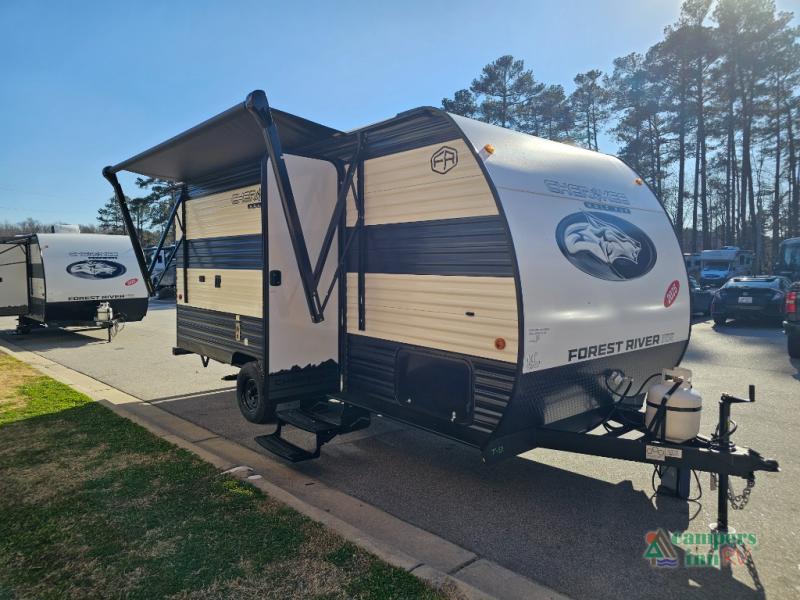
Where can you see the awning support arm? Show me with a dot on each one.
(337, 211)
(111, 176)
(258, 106)
(173, 213)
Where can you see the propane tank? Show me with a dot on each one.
(683, 405)
(104, 313)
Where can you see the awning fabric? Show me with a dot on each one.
(234, 139)
(231, 138)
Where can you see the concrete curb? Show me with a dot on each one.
(446, 566)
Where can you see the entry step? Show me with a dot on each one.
(285, 449)
(324, 419)
(307, 421)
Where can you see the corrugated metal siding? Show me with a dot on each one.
(402, 188)
(472, 246)
(430, 311)
(214, 333)
(229, 252)
(371, 371)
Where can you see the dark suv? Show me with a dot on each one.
(792, 323)
(761, 296)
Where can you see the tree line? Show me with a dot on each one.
(708, 116)
(30, 225)
(149, 212)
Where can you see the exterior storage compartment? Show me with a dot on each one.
(438, 386)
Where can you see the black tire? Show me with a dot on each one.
(250, 395)
(793, 345)
(719, 321)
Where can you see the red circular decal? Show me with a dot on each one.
(672, 293)
(131, 281)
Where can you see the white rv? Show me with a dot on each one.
(503, 290)
(718, 266)
(62, 279)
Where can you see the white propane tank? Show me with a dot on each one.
(684, 405)
(104, 313)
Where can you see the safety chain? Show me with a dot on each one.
(738, 502)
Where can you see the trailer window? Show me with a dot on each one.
(717, 264)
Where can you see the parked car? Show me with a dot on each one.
(792, 323)
(700, 298)
(760, 296)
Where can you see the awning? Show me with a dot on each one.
(231, 138)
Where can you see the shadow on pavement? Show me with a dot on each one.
(576, 533)
(47, 338)
(758, 330)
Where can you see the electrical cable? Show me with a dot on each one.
(622, 397)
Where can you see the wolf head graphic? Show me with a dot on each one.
(601, 239)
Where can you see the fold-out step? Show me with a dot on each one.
(325, 420)
(285, 449)
(307, 421)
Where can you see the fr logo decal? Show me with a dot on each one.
(444, 159)
(96, 269)
(605, 246)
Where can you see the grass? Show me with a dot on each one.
(94, 506)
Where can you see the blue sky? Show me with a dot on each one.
(87, 84)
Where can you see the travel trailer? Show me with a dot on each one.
(493, 287)
(67, 279)
(717, 266)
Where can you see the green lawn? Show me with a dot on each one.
(92, 505)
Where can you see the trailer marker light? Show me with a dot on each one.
(500, 343)
(489, 149)
(638, 181)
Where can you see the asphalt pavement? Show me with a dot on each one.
(574, 523)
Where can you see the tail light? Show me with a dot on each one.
(791, 303)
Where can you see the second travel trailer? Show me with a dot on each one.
(66, 279)
(503, 290)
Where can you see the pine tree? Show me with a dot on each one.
(505, 88)
(589, 103)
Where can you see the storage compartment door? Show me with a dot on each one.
(13, 280)
(436, 385)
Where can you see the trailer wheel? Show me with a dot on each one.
(793, 345)
(250, 395)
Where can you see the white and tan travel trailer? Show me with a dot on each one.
(63, 279)
(490, 286)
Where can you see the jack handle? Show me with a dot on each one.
(751, 393)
